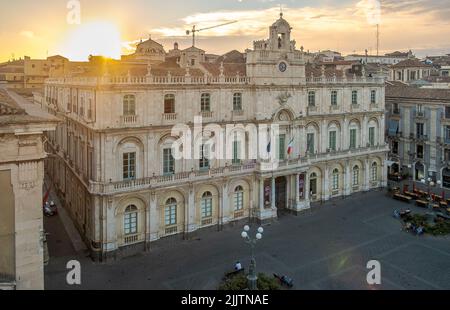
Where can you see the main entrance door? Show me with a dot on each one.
(280, 193)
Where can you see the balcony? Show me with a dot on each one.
(206, 114)
(176, 179)
(355, 107)
(238, 113)
(420, 114)
(170, 116)
(129, 119)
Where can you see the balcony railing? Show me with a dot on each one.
(228, 171)
(169, 116)
(206, 114)
(129, 119)
(237, 113)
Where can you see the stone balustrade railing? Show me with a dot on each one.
(228, 171)
(192, 80)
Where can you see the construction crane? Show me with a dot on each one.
(194, 31)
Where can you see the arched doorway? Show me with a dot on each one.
(419, 171)
(280, 193)
(446, 178)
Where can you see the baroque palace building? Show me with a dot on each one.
(115, 169)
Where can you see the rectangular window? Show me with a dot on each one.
(334, 95)
(281, 147)
(206, 207)
(236, 152)
(89, 111)
(238, 201)
(129, 166)
(372, 136)
(419, 130)
(205, 103)
(395, 109)
(447, 112)
(354, 97)
(373, 97)
(170, 215)
(310, 143)
(447, 133)
(130, 223)
(204, 157)
(447, 155)
(355, 179)
(168, 161)
(395, 147)
(332, 141)
(312, 99)
(420, 151)
(237, 102)
(352, 138)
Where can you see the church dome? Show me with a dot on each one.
(150, 47)
(281, 23)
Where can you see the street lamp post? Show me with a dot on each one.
(430, 183)
(252, 277)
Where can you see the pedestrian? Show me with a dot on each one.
(238, 266)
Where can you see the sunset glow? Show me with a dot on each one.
(94, 38)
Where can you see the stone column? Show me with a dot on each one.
(326, 184)
(272, 193)
(226, 211)
(347, 179)
(191, 210)
(154, 218)
(366, 185)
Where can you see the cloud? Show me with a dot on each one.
(349, 27)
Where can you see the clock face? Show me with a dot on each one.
(282, 66)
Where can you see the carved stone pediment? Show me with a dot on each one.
(283, 98)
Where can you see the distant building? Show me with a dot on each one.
(409, 70)
(21, 180)
(31, 73)
(387, 59)
(418, 130)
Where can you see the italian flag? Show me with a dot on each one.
(290, 147)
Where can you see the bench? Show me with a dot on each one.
(422, 203)
(402, 198)
(412, 195)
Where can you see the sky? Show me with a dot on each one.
(113, 27)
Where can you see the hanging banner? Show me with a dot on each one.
(267, 193)
(301, 186)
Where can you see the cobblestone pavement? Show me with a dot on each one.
(327, 247)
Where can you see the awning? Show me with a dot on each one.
(393, 127)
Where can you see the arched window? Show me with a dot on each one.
(129, 105)
(169, 104)
(130, 220)
(170, 212)
(238, 198)
(335, 184)
(355, 178)
(206, 205)
(374, 172)
(205, 103)
(237, 102)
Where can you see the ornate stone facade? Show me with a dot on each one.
(124, 189)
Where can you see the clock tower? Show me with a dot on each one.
(276, 60)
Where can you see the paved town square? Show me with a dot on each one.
(327, 247)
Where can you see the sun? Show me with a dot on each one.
(92, 38)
